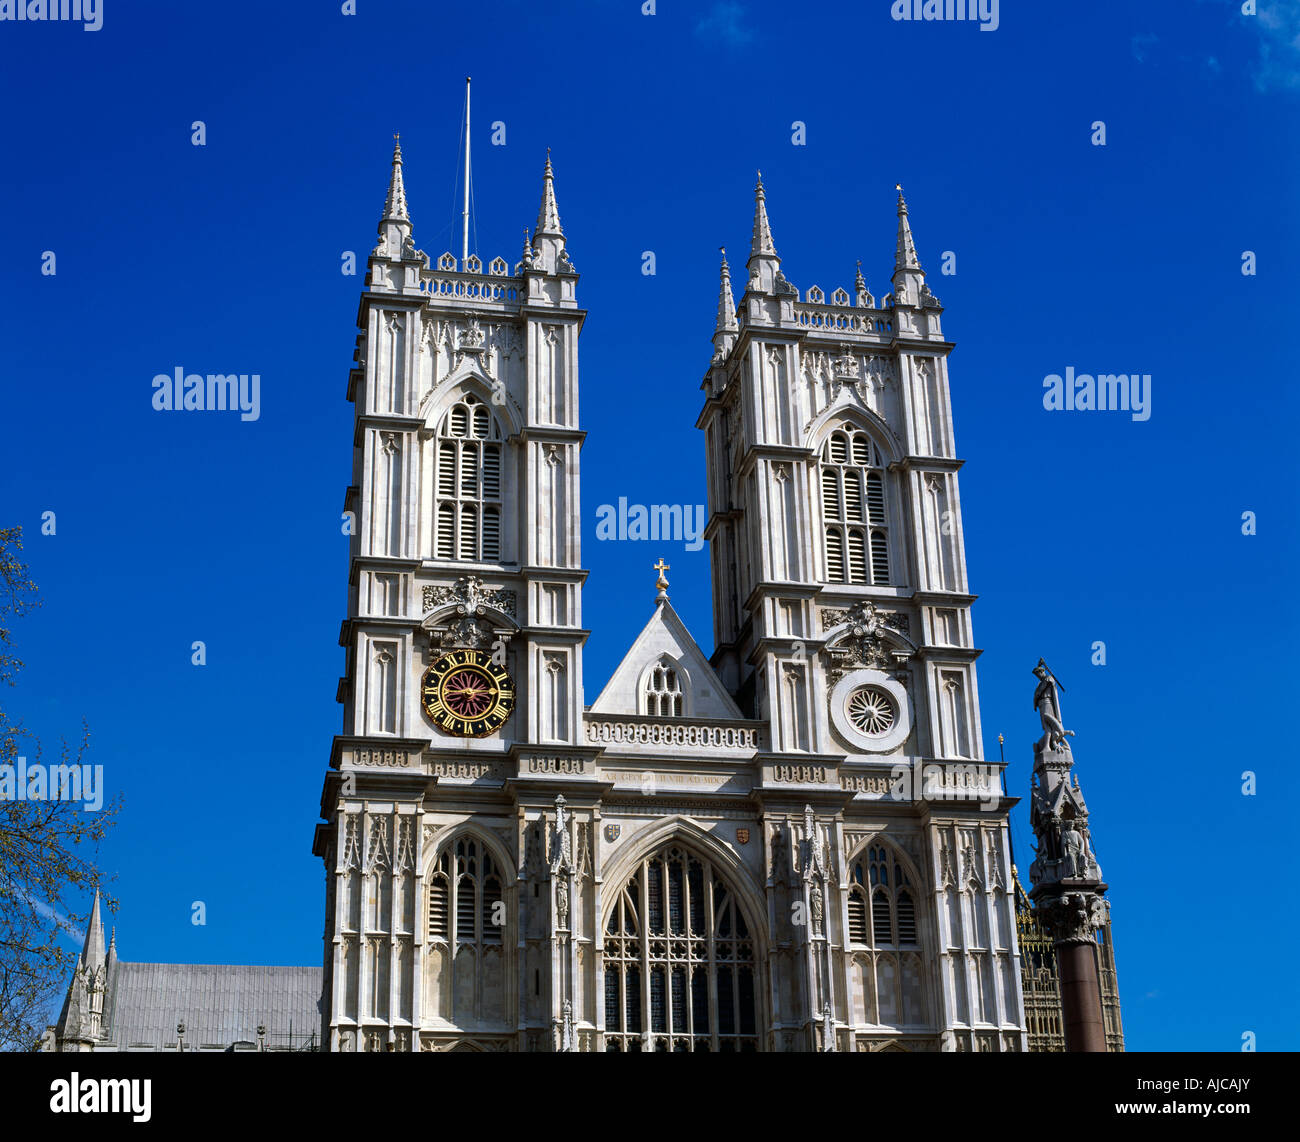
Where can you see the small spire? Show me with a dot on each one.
(761, 242)
(661, 584)
(528, 246)
(905, 257)
(92, 953)
(548, 215)
(395, 206)
(726, 303)
(859, 282)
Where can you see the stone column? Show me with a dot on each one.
(1068, 888)
(1073, 919)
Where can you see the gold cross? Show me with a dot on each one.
(661, 567)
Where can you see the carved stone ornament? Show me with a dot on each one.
(470, 627)
(1072, 917)
(471, 597)
(864, 643)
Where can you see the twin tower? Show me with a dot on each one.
(791, 844)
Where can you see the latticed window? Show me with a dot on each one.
(679, 961)
(882, 920)
(468, 484)
(853, 509)
(465, 895)
(663, 690)
(879, 889)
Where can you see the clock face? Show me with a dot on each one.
(466, 694)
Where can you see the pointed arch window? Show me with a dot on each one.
(883, 933)
(467, 472)
(663, 690)
(465, 896)
(854, 515)
(679, 961)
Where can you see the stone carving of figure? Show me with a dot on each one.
(562, 900)
(815, 903)
(1072, 855)
(1047, 702)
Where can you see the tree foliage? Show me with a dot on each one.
(48, 847)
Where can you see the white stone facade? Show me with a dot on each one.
(794, 845)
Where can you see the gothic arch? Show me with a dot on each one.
(643, 681)
(867, 981)
(448, 834)
(690, 835)
(469, 965)
(860, 418)
(856, 497)
(695, 979)
(468, 381)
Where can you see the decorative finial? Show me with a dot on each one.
(661, 584)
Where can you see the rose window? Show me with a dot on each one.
(871, 711)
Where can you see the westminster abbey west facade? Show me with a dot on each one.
(793, 844)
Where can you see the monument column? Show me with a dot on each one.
(1068, 887)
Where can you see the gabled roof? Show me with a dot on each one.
(666, 634)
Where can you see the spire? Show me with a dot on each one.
(395, 206)
(764, 265)
(726, 303)
(549, 255)
(905, 258)
(92, 954)
(761, 243)
(726, 327)
(548, 215)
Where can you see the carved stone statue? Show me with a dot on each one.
(1047, 702)
(1072, 855)
(562, 901)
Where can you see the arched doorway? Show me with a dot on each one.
(679, 964)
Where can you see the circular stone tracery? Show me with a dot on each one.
(871, 711)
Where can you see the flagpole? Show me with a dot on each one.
(464, 234)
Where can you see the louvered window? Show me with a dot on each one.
(465, 895)
(857, 916)
(886, 954)
(892, 905)
(854, 514)
(467, 469)
(439, 905)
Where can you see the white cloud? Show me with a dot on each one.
(726, 22)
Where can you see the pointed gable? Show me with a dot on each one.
(665, 638)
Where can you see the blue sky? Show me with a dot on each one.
(1080, 526)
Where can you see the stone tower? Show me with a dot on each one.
(842, 623)
(463, 633)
